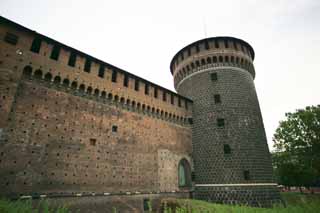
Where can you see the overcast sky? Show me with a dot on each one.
(143, 36)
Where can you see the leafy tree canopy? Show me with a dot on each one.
(297, 143)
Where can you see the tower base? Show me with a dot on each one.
(256, 195)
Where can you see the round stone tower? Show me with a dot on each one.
(231, 157)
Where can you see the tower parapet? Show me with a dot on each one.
(231, 157)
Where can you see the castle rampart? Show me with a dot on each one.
(72, 124)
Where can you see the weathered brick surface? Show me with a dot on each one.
(65, 131)
(58, 140)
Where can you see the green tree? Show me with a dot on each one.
(297, 141)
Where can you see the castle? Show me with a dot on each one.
(75, 126)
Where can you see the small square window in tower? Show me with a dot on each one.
(93, 141)
(226, 149)
(114, 128)
(11, 38)
(246, 175)
(214, 76)
(217, 99)
(220, 122)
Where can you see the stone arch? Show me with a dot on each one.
(122, 100)
(57, 80)
(116, 98)
(110, 96)
(226, 58)
(82, 88)
(184, 173)
(38, 74)
(214, 59)
(74, 85)
(96, 92)
(128, 102)
(197, 64)
(48, 77)
(89, 90)
(133, 104)
(220, 59)
(209, 60)
(66, 82)
(27, 71)
(203, 62)
(103, 94)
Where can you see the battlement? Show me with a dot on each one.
(212, 52)
(47, 59)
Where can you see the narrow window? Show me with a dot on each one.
(35, 46)
(155, 92)
(226, 45)
(217, 99)
(214, 76)
(136, 85)
(11, 38)
(164, 96)
(216, 44)
(226, 59)
(146, 88)
(126, 80)
(172, 99)
(182, 56)
(220, 122)
(179, 101)
(197, 48)
(186, 104)
(206, 44)
(55, 52)
(220, 58)
(93, 141)
(114, 128)
(235, 45)
(72, 59)
(114, 76)
(226, 149)
(246, 175)
(101, 71)
(189, 52)
(87, 65)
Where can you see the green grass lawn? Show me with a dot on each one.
(25, 206)
(296, 203)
